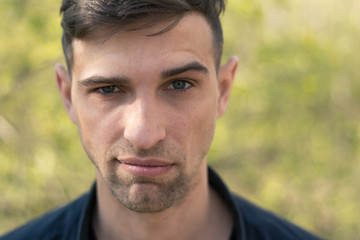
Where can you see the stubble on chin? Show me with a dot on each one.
(145, 195)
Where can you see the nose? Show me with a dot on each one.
(143, 126)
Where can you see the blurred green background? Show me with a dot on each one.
(290, 140)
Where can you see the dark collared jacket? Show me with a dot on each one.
(73, 221)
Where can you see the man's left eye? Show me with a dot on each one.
(179, 85)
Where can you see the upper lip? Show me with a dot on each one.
(146, 162)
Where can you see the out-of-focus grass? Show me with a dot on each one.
(289, 140)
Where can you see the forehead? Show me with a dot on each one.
(190, 40)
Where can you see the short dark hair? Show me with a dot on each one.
(82, 18)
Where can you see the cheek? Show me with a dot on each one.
(97, 128)
(205, 129)
(196, 129)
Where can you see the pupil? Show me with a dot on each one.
(179, 85)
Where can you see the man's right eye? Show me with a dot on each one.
(108, 89)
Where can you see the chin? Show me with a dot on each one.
(147, 195)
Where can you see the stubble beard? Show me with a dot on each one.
(143, 194)
(146, 195)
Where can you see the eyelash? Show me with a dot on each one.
(98, 91)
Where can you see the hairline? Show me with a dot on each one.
(216, 47)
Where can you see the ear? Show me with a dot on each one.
(63, 82)
(226, 76)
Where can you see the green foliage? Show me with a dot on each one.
(289, 140)
(40, 153)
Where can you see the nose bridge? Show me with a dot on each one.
(143, 112)
(143, 126)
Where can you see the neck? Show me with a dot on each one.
(200, 215)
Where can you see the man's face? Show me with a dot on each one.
(146, 108)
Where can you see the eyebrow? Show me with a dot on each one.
(98, 80)
(192, 66)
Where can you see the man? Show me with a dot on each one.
(144, 87)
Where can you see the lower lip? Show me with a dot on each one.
(146, 171)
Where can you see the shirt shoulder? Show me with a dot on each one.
(252, 222)
(259, 223)
(58, 224)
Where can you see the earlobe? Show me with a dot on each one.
(226, 77)
(63, 82)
